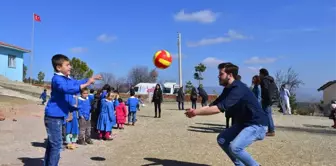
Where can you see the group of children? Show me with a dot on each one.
(107, 109)
(71, 110)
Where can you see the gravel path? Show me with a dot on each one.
(172, 140)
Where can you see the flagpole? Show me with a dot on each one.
(32, 53)
(179, 58)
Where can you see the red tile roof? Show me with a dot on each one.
(3, 44)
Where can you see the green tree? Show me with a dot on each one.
(80, 69)
(24, 71)
(198, 75)
(188, 87)
(293, 102)
(40, 77)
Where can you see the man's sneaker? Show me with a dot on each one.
(270, 134)
(81, 142)
(89, 141)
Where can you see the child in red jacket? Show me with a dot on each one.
(121, 114)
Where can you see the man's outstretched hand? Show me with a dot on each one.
(190, 113)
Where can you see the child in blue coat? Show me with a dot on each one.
(44, 96)
(84, 112)
(132, 103)
(72, 129)
(57, 109)
(107, 118)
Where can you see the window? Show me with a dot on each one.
(166, 90)
(11, 61)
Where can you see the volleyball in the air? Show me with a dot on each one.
(162, 59)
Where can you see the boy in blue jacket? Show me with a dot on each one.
(44, 96)
(62, 90)
(132, 103)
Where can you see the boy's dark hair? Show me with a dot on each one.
(107, 87)
(264, 72)
(83, 90)
(132, 93)
(231, 69)
(45, 90)
(120, 100)
(222, 65)
(91, 90)
(57, 60)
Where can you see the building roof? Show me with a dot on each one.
(3, 44)
(326, 85)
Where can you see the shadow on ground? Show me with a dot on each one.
(217, 128)
(40, 144)
(31, 161)
(166, 162)
(146, 116)
(98, 158)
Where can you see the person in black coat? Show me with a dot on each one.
(157, 100)
(180, 99)
(193, 97)
(204, 96)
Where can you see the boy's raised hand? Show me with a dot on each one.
(97, 77)
(94, 78)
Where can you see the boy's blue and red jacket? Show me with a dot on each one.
(61, 98)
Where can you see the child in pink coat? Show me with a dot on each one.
(121, 114)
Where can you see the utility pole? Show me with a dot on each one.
(179, 57)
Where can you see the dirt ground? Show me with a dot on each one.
(172, 140)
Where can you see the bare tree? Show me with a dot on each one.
(119, 82)
(290, 78)
(141, 74)
(108, 78)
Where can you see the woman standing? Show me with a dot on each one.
(256, 89)
(180, 99)
(193, 98)
(284, 96)
(157, 99)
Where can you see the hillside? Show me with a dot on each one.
(20, 87)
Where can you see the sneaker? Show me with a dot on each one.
(81, 142)
(270, 134)
(70, 146)
(89, 141)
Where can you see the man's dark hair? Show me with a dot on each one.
(264, 72)
(58, 60)
(222, 65)
(91, 90)
(231, 69)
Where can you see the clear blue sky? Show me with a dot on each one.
(109, 34)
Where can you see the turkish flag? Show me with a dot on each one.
(37, 17)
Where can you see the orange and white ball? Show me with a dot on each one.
(162, 59)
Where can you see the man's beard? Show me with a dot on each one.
(224, 82)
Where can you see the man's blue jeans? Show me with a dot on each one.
(54, 141)
(271, 127)
(131, 117)
(235, 139)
